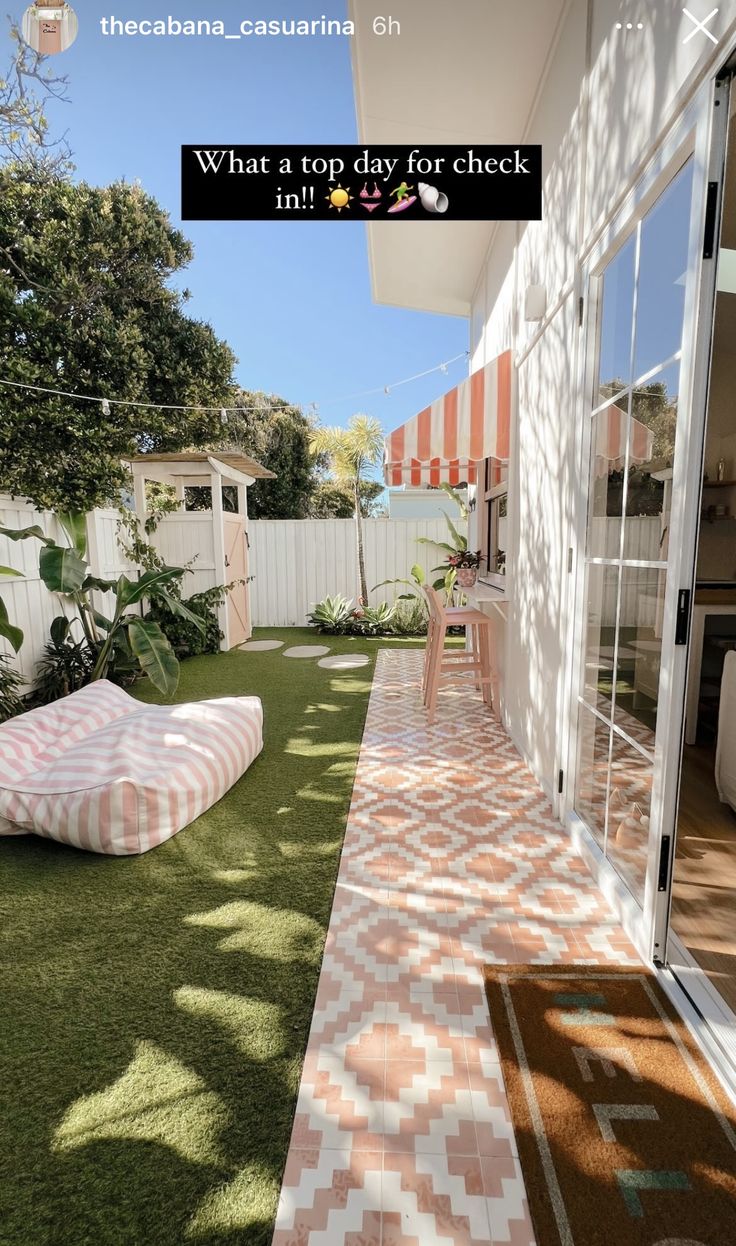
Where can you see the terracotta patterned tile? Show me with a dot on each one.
(508, 1213)
(334, 1194)
(439, 1198)
(356, 1017)
(452, 859)
(428, 1108)
(493, 1125)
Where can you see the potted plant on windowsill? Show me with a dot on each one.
(466, 564)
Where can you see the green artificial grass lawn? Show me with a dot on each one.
(155, 1009)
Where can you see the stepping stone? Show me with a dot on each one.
(262, 644)
(345, 661)
(306, 651)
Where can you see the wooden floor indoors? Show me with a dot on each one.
(704, 891)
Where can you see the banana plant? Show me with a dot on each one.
(8, 630)
(445, 583)
(143, 638)
(459, 542)
(64, 570)
(460, 499)
(417, 582)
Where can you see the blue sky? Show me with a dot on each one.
(293, 299)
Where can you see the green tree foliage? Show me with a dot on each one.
(86, 306)
(334, 500)
(277, 434)
(353, 453)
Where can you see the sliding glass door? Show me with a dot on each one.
(632, 440)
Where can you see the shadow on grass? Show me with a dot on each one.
(156, 1008)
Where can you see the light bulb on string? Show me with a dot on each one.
(105, 407)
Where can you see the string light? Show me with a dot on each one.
(386, 389)
(126, 402)
(107, 403)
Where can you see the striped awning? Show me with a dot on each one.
(615, 428)
(445, 441)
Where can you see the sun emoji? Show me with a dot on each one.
(339, 197)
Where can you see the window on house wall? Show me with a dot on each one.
(493, 495)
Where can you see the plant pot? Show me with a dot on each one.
(466, 577)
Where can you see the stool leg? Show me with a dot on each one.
(495, 681)
(475, 650)
(431, 656)
(435, 671)
(486, 668)
(427, 659)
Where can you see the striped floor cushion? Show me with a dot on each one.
(101, 771)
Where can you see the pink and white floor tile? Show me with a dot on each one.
(452, 860)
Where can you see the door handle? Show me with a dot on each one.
(682, 625)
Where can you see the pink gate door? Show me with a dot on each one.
(236, 568)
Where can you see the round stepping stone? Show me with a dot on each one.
(306, 651)
(262, 644)
(344, 661)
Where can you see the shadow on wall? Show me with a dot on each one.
(633, 82)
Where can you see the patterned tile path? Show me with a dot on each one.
(402, 1134)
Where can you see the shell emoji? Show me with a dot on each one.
(432, 199)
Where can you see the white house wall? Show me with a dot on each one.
(638, 83)
(608, 98)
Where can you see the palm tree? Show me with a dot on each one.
(352, 452)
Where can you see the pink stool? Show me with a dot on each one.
(477, 659)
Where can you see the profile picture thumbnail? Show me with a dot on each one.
(49, 28)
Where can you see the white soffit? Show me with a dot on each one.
(468, 72)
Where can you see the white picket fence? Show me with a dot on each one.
(295, 564)
(298, 562)
(29, 604)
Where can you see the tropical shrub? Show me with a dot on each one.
(465, 558)
(187, 640)
(415, 584)
(459, 542)
(373, 620)
(409, 617)
(8, 630)
(337, 616)
(126, 641)
(11, 683)
(65, 667)
(333, 615)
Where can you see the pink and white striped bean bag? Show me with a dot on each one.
(101, 771)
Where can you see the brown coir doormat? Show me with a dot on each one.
(625, 1137)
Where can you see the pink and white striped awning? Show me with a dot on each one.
(614, 427)
(445, 441)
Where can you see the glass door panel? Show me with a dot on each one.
(633, 425)
(594, 751)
